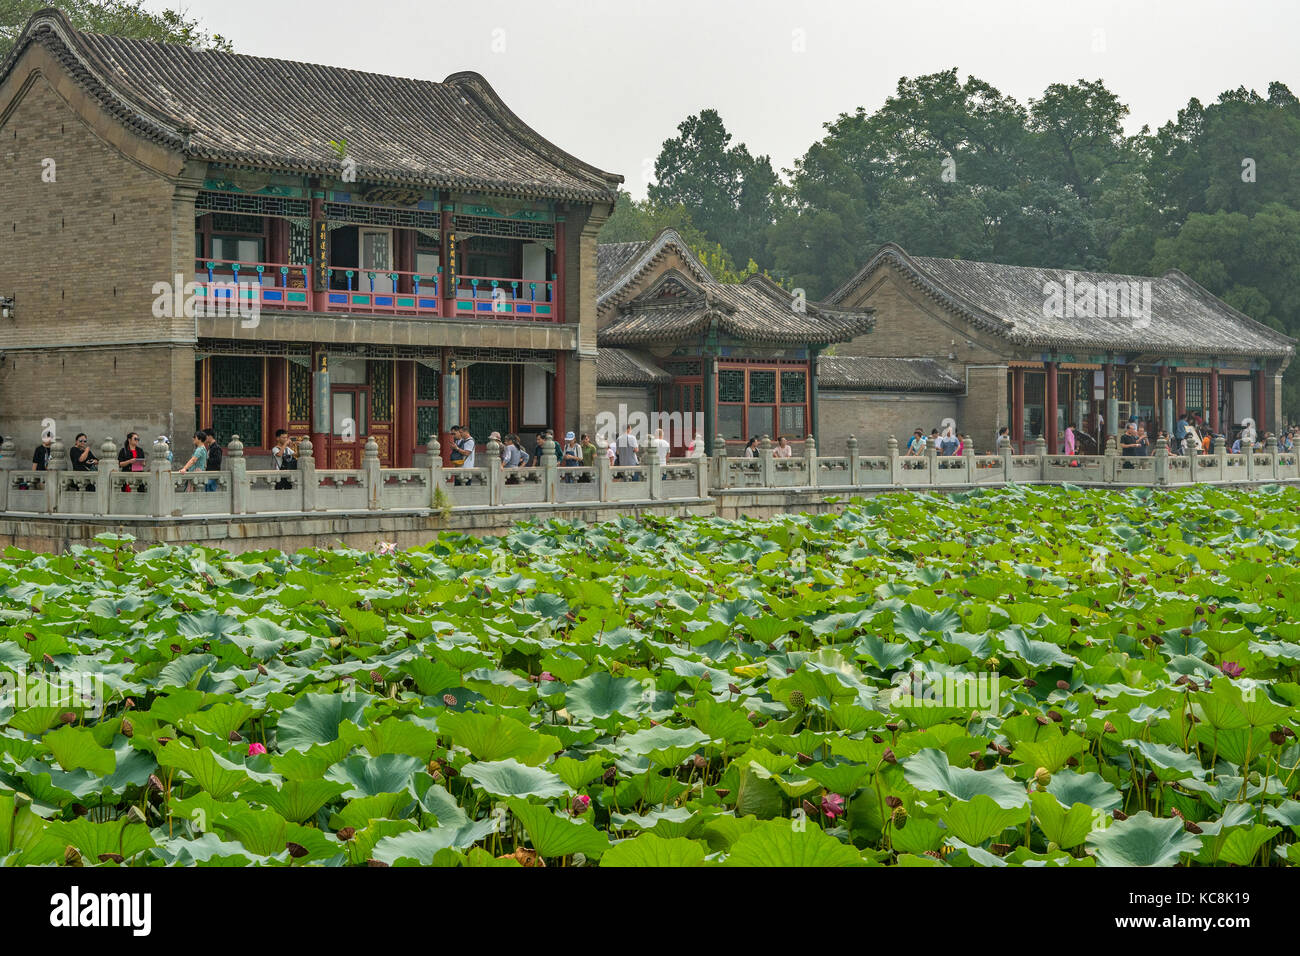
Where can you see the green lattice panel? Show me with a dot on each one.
(426, 383)
(793, 388)
(299, 393)
(731, 385)
(489, 383)
(236, 376)
(483, 421)
(762, 387)
(242, 420)
(426, 422)
(381, 391)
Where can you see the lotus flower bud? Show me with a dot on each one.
(255, 748)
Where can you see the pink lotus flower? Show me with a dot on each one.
(255, 749)
(386, 547)
(580, 803)
(1232, 668)
(546, 675)
(832, 805)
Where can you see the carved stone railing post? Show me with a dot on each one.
(810, 457)
(1221, 450)
(8, 463)
(1008, 451)
(104, 480)
(549, 469)
(1162, 461)
(721, 470)
(1249, 452)
(654, 473)
(370, 469)
(307, 473)
(434, 449)
(602, 469)
(968, 454)
(855, 462)
(160, 480)
(1040, 451)
(895, 462)
(1270, 449)
(703, 469)
(55, 466)
(932, 461)
(767, 464)
(237, 465)
(495, 473)
(1193, 454)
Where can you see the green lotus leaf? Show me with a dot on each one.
(651, 850)
(1067, 827)
(783, 843)
(929, 770)
(315, 718)
(554, 835)
(510, 778)
(602, 695)
(1142, 840)
(368, 776)
(75, 748)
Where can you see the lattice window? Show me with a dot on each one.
(794, 388)
(681, 369)
(380, 216)
(489, 383)
(299, 393)
(731, 385)
(484, 420)
(230, 222)
(426, 422)
(280, 206)
(242, 420)
(511, 228)
(236, 376)
(762, 387)
(1194, 394)
(299, 244)
(426, 384)
(381, 390)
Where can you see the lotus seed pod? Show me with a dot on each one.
(128, 729)
(1042, 777)
(346, 833)
(893, 802)
(449, 700)
(71, 856)
(899, 816)
(609, 776)
(1108, 728)
(888, 756)
(1277, 738)
(797, 699)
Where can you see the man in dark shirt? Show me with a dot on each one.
(1129, 443)
(42, 456)
(82, 458)
(214, 450)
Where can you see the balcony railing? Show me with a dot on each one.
(496, 297)
(269, 284)
(227, 284)
(384, 291)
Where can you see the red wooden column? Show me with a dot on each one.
(1018, 408)
(319, 282)
(1049, 426)
(404, 425)
(1214, 400)
(404, 258)
(1261, 404)
(277, 398)
(447, 259)
(560, 285)
(557, 397)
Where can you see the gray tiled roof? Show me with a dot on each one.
(627, 367)
(756, 310)
(230, 108)
(870, 373)
(620, 264)
(1010, 301)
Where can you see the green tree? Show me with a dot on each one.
(126, 18)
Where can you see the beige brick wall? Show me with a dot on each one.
(873, 416)
(81, 255)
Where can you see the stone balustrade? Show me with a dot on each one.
(159, 492)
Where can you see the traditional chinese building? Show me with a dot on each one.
(738, 358)
(203, 238)
(1038, 349)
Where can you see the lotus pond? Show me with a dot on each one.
(1009, 677)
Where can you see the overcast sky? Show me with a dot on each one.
(609, 80)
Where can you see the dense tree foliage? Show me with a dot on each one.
(126, 18)
(947, 167)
